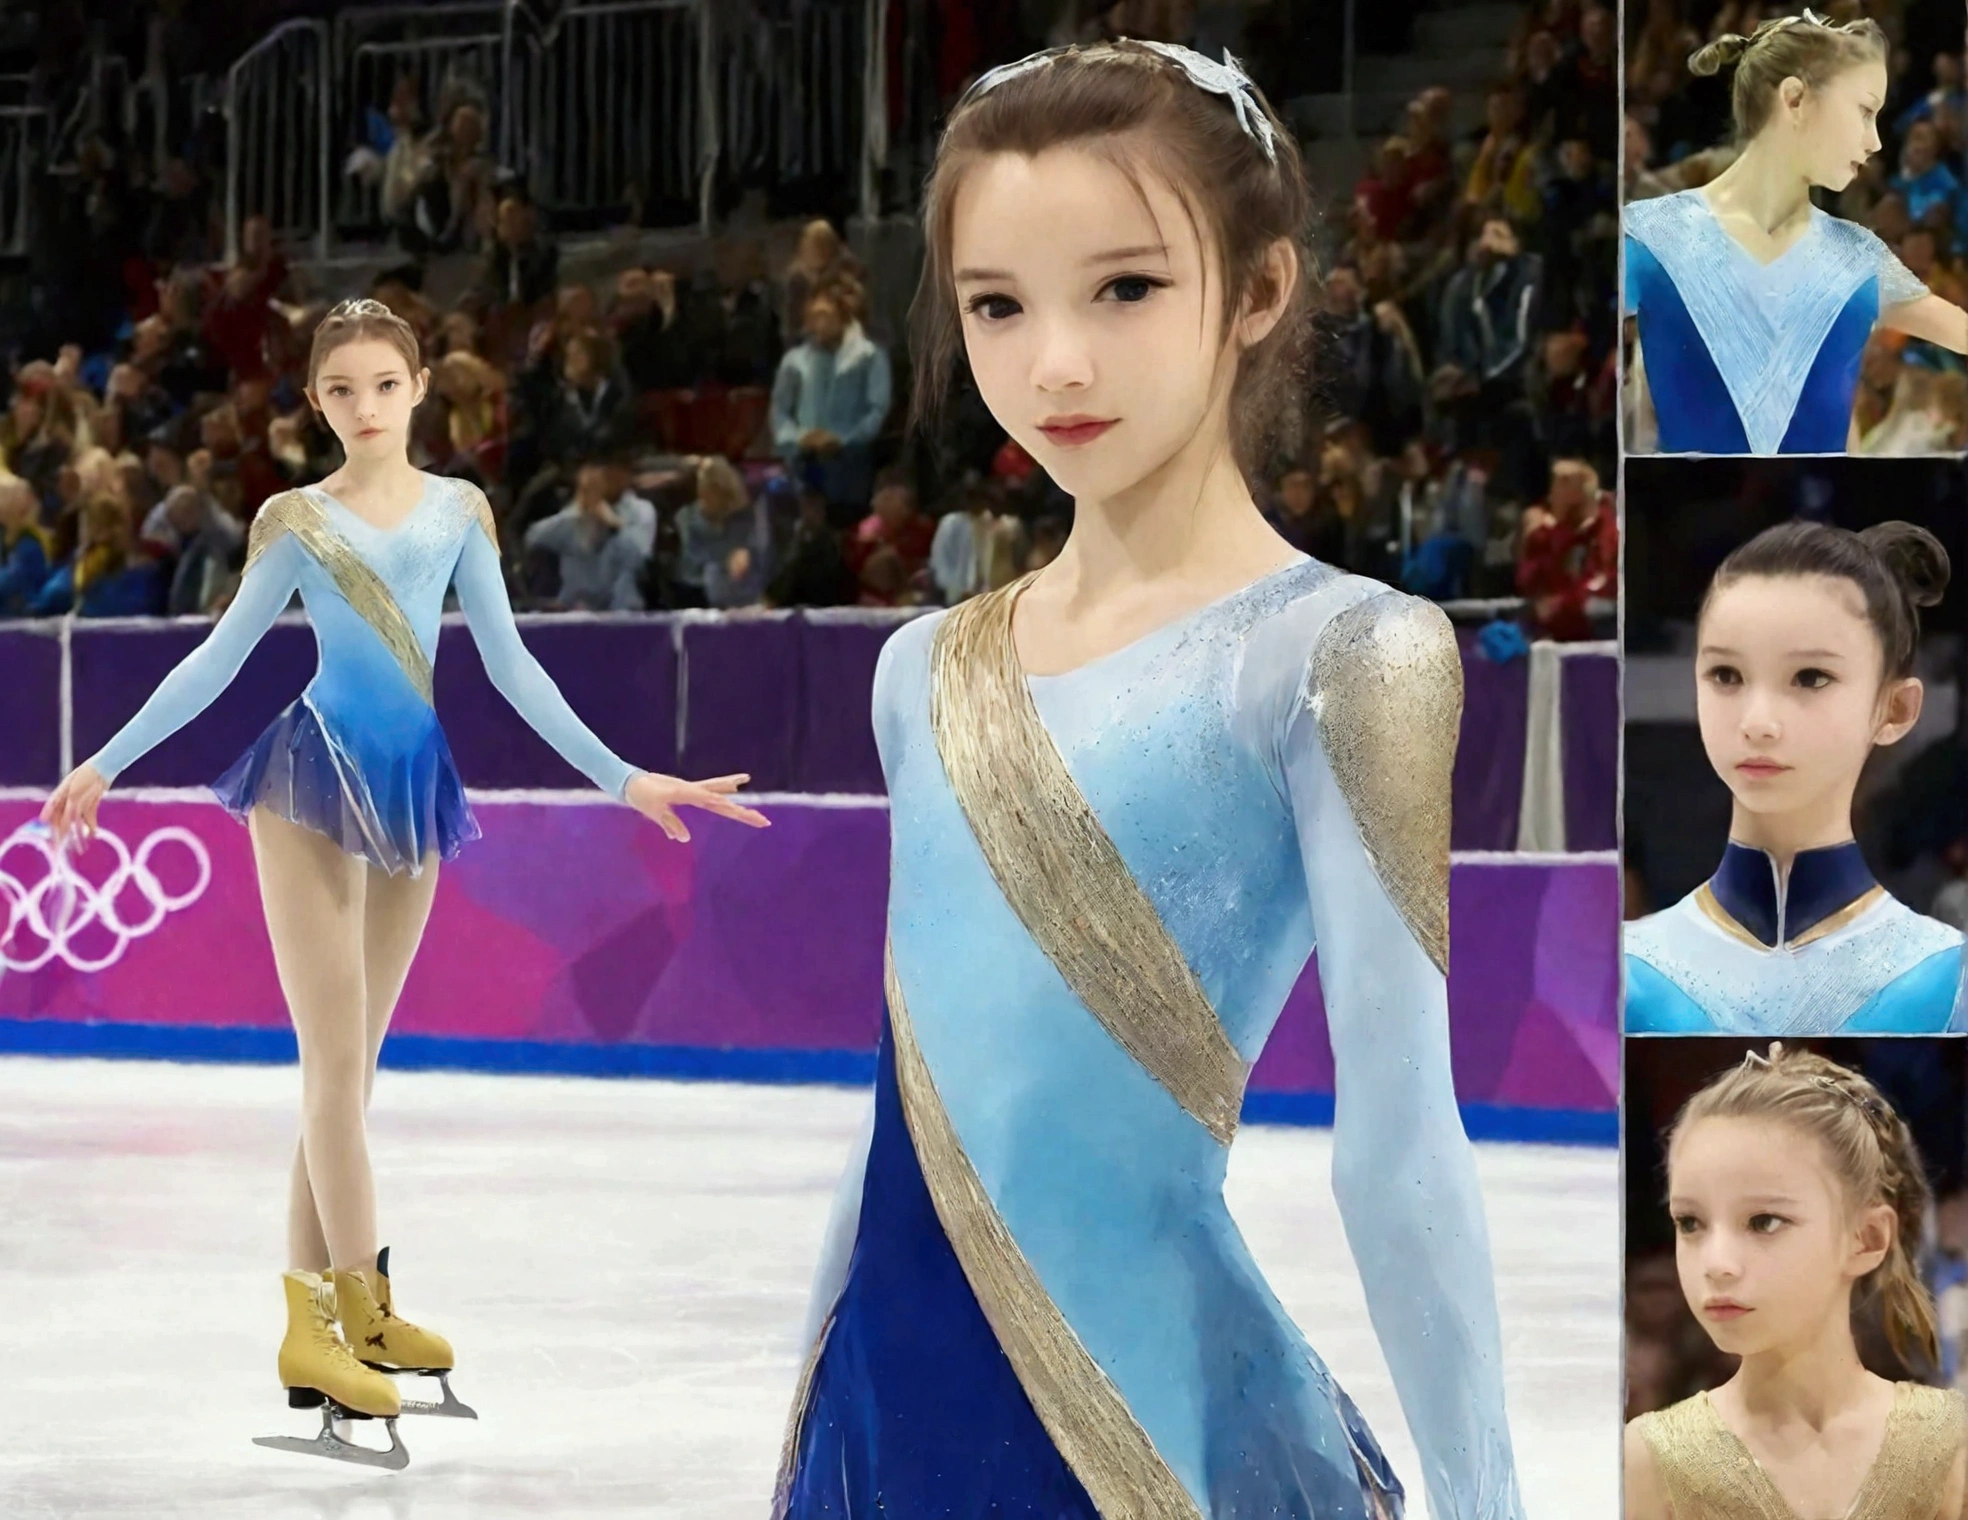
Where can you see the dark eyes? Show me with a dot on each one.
(1811, 678)
(1127, 290)
(1759, 1224)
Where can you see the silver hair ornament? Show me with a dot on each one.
(1226, 78)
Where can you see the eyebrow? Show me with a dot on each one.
(1108, 256)
(1784, 1199)
(1789, 654)
(381, 374)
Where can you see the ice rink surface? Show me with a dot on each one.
(623, 1268)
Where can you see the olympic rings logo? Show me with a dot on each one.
(61, 902)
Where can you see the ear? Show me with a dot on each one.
(1872, 1239)
(1277, 277)
(423, 385)
(1900, 708)
(1791, 92)
(313, 401)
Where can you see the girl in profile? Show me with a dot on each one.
(1798, 1198)
(1804, 663)
(1753, 306)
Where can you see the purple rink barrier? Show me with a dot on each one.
(784, 696)
(573, 937)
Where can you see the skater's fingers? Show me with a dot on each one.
(725, 783)
(735, 810)
(672, 825)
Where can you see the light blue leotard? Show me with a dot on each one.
(361, 756)
(1829, 951)
(1034, 1301)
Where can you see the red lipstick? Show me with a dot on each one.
(1076, 429)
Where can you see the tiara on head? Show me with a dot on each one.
(1227, 79)
(362, 307)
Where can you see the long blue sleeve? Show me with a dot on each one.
(875, 402)
(1403, 1171)
(187, 691)
(517, 674)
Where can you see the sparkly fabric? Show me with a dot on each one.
(1707, 1472)
(1763, 325)
(1817, 987)
(365, 761)
(1387, 689)
(393, 817)
(1195, 750)
(1062, 874)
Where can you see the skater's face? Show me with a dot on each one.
(1839, 123)
(366, 391)
(1091, 308)
(1789, 692)
(1768, 1241)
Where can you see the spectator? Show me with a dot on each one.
(820, 263)
(828, 405)
(1305, 522)
(454, 201)
(1569, 556)
(725, 540)
(1930, 188)
(106, 577)
(812, 571)
(960, 552)
(1504, 178)
(519, 274)
(26, 548)
(1490, 307)
(896, 530)
(588, 413)
(191, 533)
(239, 305)
(471, 396)
(601, 541)
(40, 432)
(1369, 366)
(650, 337)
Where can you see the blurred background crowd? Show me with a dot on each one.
(1913, 396)
(667, 415)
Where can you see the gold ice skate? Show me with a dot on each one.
(389, 1344)
(319, 1371)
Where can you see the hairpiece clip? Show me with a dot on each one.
(1226, 78)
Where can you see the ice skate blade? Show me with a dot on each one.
(449, 1406)
(328, 1444)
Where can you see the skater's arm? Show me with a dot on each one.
(272, 574)
(1645, 1498)
(518, 675)
(1366, 756)
(1934, 318)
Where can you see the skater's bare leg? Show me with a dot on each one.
(313, 894)
(395, 910)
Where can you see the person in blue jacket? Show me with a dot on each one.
(352, 800)
(1804, 664)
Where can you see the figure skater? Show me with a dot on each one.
(1797, 1198)
(1754, 307)
(352, 799)
(1127, 792)
(1804, 661)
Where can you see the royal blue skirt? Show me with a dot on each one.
(392, 807)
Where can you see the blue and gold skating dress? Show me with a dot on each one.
(1035, 1304)
(360, 756)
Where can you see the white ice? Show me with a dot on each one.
(622, 1266)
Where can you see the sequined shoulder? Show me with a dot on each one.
(1897, 283)
(1660, 216)
(1386, 688)
(1704, 1469)
(1924, 1435)
(468, 499)
(278, 515)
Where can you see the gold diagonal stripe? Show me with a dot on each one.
(1062, 874)
(1723, 919)
(1088, 1418)
(297, 513)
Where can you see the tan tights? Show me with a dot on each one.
(344, 932)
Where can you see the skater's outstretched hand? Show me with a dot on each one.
(656, 796)
(71, 808)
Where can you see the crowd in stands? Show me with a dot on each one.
(1913, 396)
(725, 429)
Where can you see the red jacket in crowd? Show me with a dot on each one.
(1564, 564)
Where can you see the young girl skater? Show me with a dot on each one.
(1797, 1196)
(352, 799)
(1753, 305)
(1804, 663)
(1127, 793)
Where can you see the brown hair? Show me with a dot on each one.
(1870, 1151)
(1090, 96)
(1785, 48)
(1898, 568)
(354, 321)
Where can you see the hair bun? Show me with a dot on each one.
(1720, 54)
(1915, 558)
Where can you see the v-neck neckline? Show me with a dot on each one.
(376, 528)
(1761, 266)
(1775, 1496)
(1171, 625)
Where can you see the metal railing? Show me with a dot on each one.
(26, 134)
(277, 136)
(609, 105)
